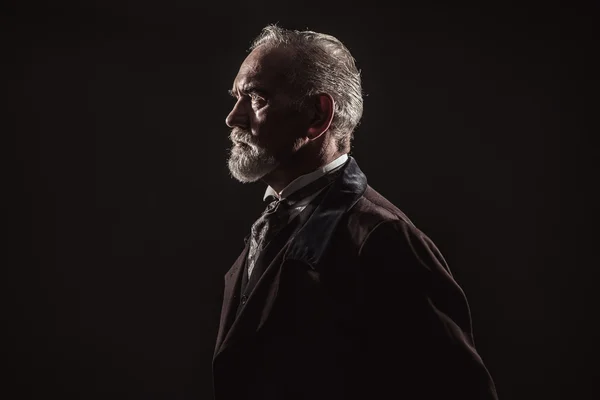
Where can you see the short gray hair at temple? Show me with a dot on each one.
(322, 65)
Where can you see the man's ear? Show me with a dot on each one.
(322, 116)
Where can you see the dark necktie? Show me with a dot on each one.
(266, 227)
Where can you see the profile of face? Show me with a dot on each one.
(266, 127)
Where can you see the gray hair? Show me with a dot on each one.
(323, 65)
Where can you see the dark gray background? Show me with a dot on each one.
(123, 218)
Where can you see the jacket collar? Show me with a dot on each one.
(306, 179)
(310, 242)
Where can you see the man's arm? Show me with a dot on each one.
(418, 338)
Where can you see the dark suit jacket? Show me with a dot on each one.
(353, 303)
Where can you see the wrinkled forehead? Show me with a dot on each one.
(267, 68)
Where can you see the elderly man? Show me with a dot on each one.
(336, 295)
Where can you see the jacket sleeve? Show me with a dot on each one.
(418, 340)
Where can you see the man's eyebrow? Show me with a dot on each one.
(247, 89)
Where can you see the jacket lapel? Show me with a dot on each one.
(233, 280)
(255, 312)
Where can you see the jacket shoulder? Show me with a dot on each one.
(370, 211)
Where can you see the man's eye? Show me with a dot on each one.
(256, 98)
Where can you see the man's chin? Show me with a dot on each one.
(249, 173)
(244, 177)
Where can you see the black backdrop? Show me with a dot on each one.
(123, 219)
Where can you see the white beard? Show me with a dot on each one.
(249, 163)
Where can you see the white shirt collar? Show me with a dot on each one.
(304, 180)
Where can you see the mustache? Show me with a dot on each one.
(242, 135)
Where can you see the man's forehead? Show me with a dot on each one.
(263, 67)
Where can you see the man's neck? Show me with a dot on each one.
(285, 174)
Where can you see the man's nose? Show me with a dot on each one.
(237, 116)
